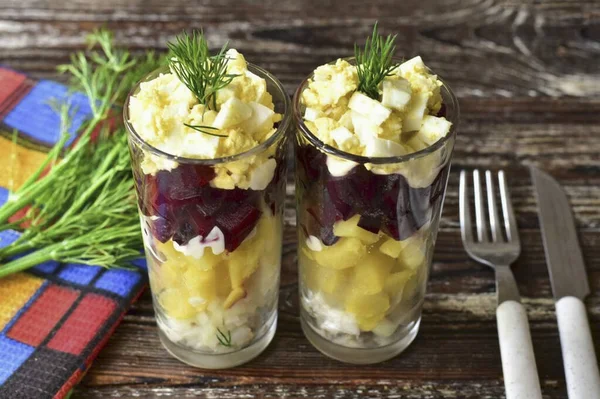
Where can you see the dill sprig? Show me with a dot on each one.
(83, 210)
(224, 339)
(202, 73)
(374, 62)
(204, 129)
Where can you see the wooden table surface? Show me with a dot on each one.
(528, 78)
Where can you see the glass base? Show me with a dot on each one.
(360, 355)
(217, 360)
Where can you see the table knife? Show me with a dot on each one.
(569, 286)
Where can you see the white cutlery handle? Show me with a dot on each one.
(581, 366)
(518, 361)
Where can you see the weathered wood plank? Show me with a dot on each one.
(527, 49)
(458, 342)
(528, 80)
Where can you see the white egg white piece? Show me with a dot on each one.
(376, 112)
(396, 93)
(233, 112)
(416, 111)
(433, 128)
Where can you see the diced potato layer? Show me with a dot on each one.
(364, 272)
(371, 273)
(185, 286)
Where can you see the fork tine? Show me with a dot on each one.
(480, 218)
(492, 210)
(509, 216)
(466, 228)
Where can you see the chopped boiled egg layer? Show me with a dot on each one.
(244, 116)
(353, 122)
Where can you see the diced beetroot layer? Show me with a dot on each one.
(385, 202)
(184, 205)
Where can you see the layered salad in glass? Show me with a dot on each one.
(374, 141)
(207, 139)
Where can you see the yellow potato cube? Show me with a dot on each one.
(326, 279)
(332, 280)
(369, 323)
(234, 296)
(208, 261)
(307, 253)
(366, 306)
(170, 273)
(201, 284)
(391, 247)
(156, 283)
(396, 282)
(412, 287)
(370, 273)
(309, 274)
(268, 228)
(349, 228)
(168, 251)
(175, 304)
(412, 257)
(242, 263)
(345, 253)
(223, 282)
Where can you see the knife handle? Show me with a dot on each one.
(581, 366)
(518, 361)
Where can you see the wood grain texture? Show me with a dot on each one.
(528, 79)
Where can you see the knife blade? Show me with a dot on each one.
(563, 254)
(569, 286)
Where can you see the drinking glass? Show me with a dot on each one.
(213, 254)
(366, 233)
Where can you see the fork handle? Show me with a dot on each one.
(581, 366)
(518, 361)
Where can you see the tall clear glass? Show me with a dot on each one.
(214, 254)
(365, 241)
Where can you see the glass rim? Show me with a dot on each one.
(279, 132)
(453, 116)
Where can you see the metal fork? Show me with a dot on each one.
(498, 250)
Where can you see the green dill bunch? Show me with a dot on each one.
(374, 62)
(202, 73)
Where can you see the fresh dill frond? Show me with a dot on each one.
(203, 129)
(224, 339)
(83, 210)
(202, 73)
(374, 62)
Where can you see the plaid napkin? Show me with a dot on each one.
(54, 318)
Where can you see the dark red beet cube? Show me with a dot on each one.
(185, 181)
(162, 229)
(311, 162)
(320, 223)
(184, 233)
(327, 237)
(369, 223)
(236, 222)
(202, 222)
(401, 228)
(337, 194)
(190, 222)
